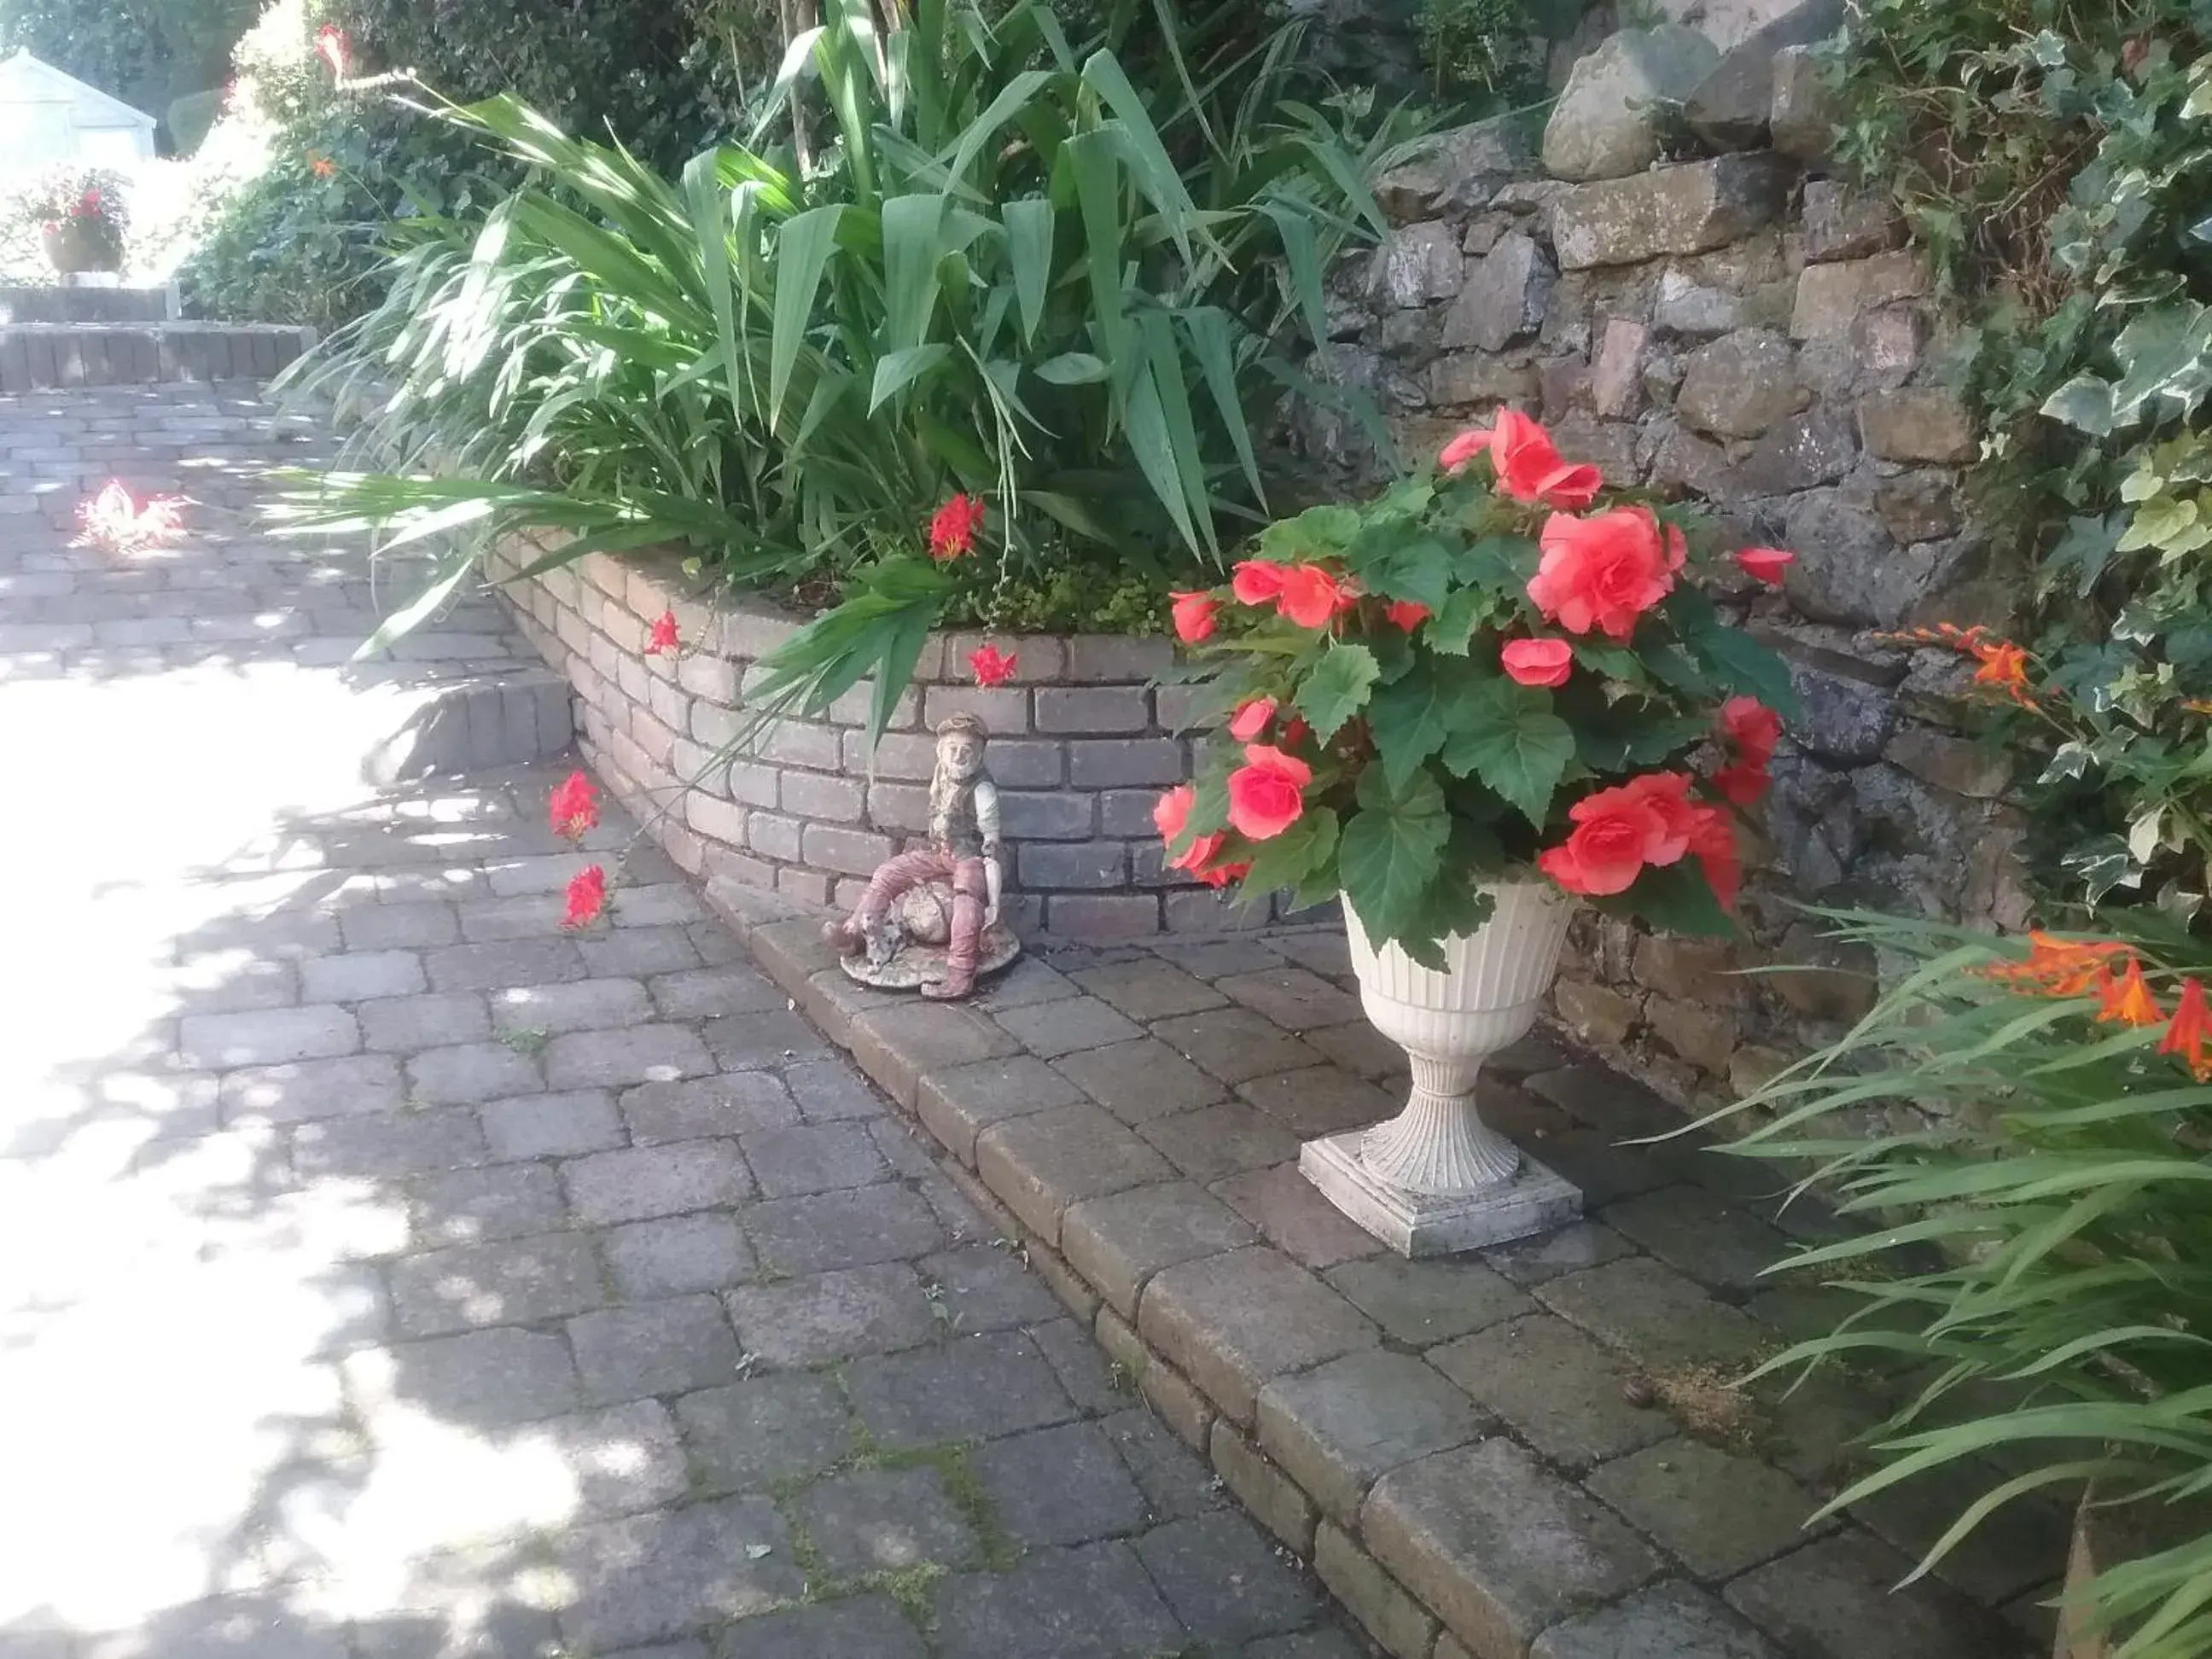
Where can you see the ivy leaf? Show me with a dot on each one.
(2086, 546)
(2102, 865)
(1508, 736)
(1337, 689)
(2084, 403)
(1674, 900)
(1288, 858)
(1389, 853)
(2163, 522)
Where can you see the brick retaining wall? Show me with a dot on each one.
(1082, 744)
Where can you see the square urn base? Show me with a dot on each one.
(1536, 1199)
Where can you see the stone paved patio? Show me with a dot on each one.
(384, 1273)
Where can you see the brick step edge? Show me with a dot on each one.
(507, 718)
(53, 356)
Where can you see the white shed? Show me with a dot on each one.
(48, 117)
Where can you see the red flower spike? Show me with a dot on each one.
(587, 897)
(573, 806)
(335, 49)
(1266, 794)
(953, 527)
(1195, 614)
(990, 668)
(662, 641)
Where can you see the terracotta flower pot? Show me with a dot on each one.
(76, 245)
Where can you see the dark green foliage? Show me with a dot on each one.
(147, 52)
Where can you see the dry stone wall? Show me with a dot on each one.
(1081, 746)
(1741, 329)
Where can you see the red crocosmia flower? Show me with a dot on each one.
(1713, 844)
(1266, 794)
(1529, 468)
(1193, 617)
(587, 897)
(1251, 719)
(1406, 614)
(332, 46)
(1256, 582)
(2190, 1028)
(1464, 448)
(991, 668)
(1753, 728)
(1605, 571)
(953, 527)
(1538, 662)
(1648, 821)
(573, 806)
(1743, 783)
(1313, 597)
(1766, 564)
(662, 641)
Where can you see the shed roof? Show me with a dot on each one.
(20, 72)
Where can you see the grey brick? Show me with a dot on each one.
(1059, 816)
(765, 1429)
(313, 1089)
(678, 1254)
(485, 1379)
(729, 1105)
(1119, 763)
(671, 1346)
(471, 1072)
(399, 927)
(1090, 864)
(972, 1388)
(477, 1205)
(636, 952)
(634, 1184)
(1114, 709)
(496, 967)
(396, 1144)
(511, 1282)
(638, 1054)
(1060, 1486)
(1005, 711)
(551, 1125)
(623, 1459)
(855, 1229)
(812, 1158)
(813, 796)
(853, 852)
(580, 1006)
(884, 1521)
(267, 1036)
(709, 993)
(650, 1577)
(437, 1020)
(1053, 1606)
(830, 1091)
(773, 836)
(862, 1628)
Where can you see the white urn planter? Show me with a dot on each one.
(1436, 1179)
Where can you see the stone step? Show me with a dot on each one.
(47, 357)
(507, 719)
(21, 303)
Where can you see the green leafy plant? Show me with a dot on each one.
(2039, 1251)
(1473, 677)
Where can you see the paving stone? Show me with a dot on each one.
(1362, 1050)
(812, 1158)
(362, 974)
(1093, 1603)
(1216, 1141)
(638, 1054)
(1694, 1232)
(1223, 1580)
(980, 1287)
(958, 1103)
(1497, 1546)
(403, 1024)
(707, 993)
(214, 1628)
(856, 1229)
(470, 1073)
(1399, 1625)
(483, 1380)
(1174, 1483)
(764, 1430)
(1140, 1081)
(623, 1459)
(650, 1577)
(495, 966)
(670, 1346)
(1295, 999)
(973, 1388)
(730, 1104)
(551, 1125)
(1294, 1217)
(1059, 1486)
(1234, 1044)
(863, 1627)
(583, 1005)
(1833, 1600)
(304, 1092)
(1267, 1494)
(884, 1521)
(1422, 1302)
(899, 1046)
(1234, 1321)
(635, 1184)
(1326, 1643)
(1654, 1315)
(1321, 1100)
(1604, 1099)
(1119, 1242)
(1039, 1164)
(833, 1315)
(266, 1037)
(1335, 1430)
(635, 952)
(1672, 1620)
(1563, 1250)
(1052, 1029)
(1148, 988)
(745, 1042)
(1556, 1389)
(676, 1255)
(1209, 959)
(400, 1144)
(476, 1207)
(2021, 1546)
(1720, 1514)
(832, 1091)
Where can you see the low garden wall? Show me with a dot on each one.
(1081, 746)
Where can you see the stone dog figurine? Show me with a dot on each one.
(945, 894)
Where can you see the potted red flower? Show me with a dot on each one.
(81, 218)
(1488, 695)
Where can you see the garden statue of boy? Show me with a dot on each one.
(945, 894)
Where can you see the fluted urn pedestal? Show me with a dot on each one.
(1435, 1178)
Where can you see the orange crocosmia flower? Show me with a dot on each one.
(587, 897)
(990, 668)
(662, 641)
(2187, 1033)
(1529, 468)
(1194, 615)
(573, 806)
(1406, 614)
(1604, 571)
(2056, 967)
(1313, 598)
(2127, 1000)
(1251, 717)
(1266, 794)
(2003, 666)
